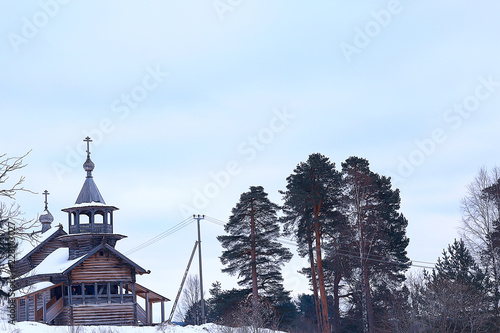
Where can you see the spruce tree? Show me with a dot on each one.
(456, 296)
(251, 250)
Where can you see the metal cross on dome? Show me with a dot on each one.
(46, 193)
(88, 140)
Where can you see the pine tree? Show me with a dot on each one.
(371, 207)
(251, 249)
(311, 200)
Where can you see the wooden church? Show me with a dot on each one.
(77, 277)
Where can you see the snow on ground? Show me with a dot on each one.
(31, 327)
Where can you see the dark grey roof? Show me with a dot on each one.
(89, 193)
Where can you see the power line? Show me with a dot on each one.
(345, 253)
(162, 235)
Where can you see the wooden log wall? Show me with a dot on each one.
(104, 314)
(101, 267)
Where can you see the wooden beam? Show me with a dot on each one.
(109, 292)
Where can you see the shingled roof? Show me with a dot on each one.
(89, 193)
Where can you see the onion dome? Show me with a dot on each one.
(46, 219)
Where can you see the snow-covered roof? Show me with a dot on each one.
(56, 262)
(33, 288)
(25, 247)
(88, 204)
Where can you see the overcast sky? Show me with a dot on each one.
(190, 103)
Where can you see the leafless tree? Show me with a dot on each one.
(480, 218)
(253, 316)
(190, 300)
(13, 228)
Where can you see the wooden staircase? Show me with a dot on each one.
(141, 315)
(54, 307)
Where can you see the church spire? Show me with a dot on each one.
(88, 165)
(89, 192)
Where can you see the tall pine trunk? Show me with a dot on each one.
(319, 320)
(336, 302)
(321, 276)
(366, 299)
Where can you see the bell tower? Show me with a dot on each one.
(90, 219)
(90, 214)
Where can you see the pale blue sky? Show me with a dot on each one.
(174, 92)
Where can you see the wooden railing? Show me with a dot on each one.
(39, 312)
(98, 228)
(91, 299)
(141, 315)
(54, 310)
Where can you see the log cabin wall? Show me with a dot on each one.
(102, 267)
(63, 318)
(105, 314)
(80, 248)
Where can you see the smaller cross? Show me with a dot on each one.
(45, 193)
(88, 140)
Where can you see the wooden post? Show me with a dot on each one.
(70, 298)
(45, 307)
(18, 303)
(35, 305)
(77, 221)
(95, 292)
(27, 307)
(162, 311)
(147, 308)
(121, 292)
(109, 292)
(83, 293)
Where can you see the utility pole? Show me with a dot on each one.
(202, 301)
